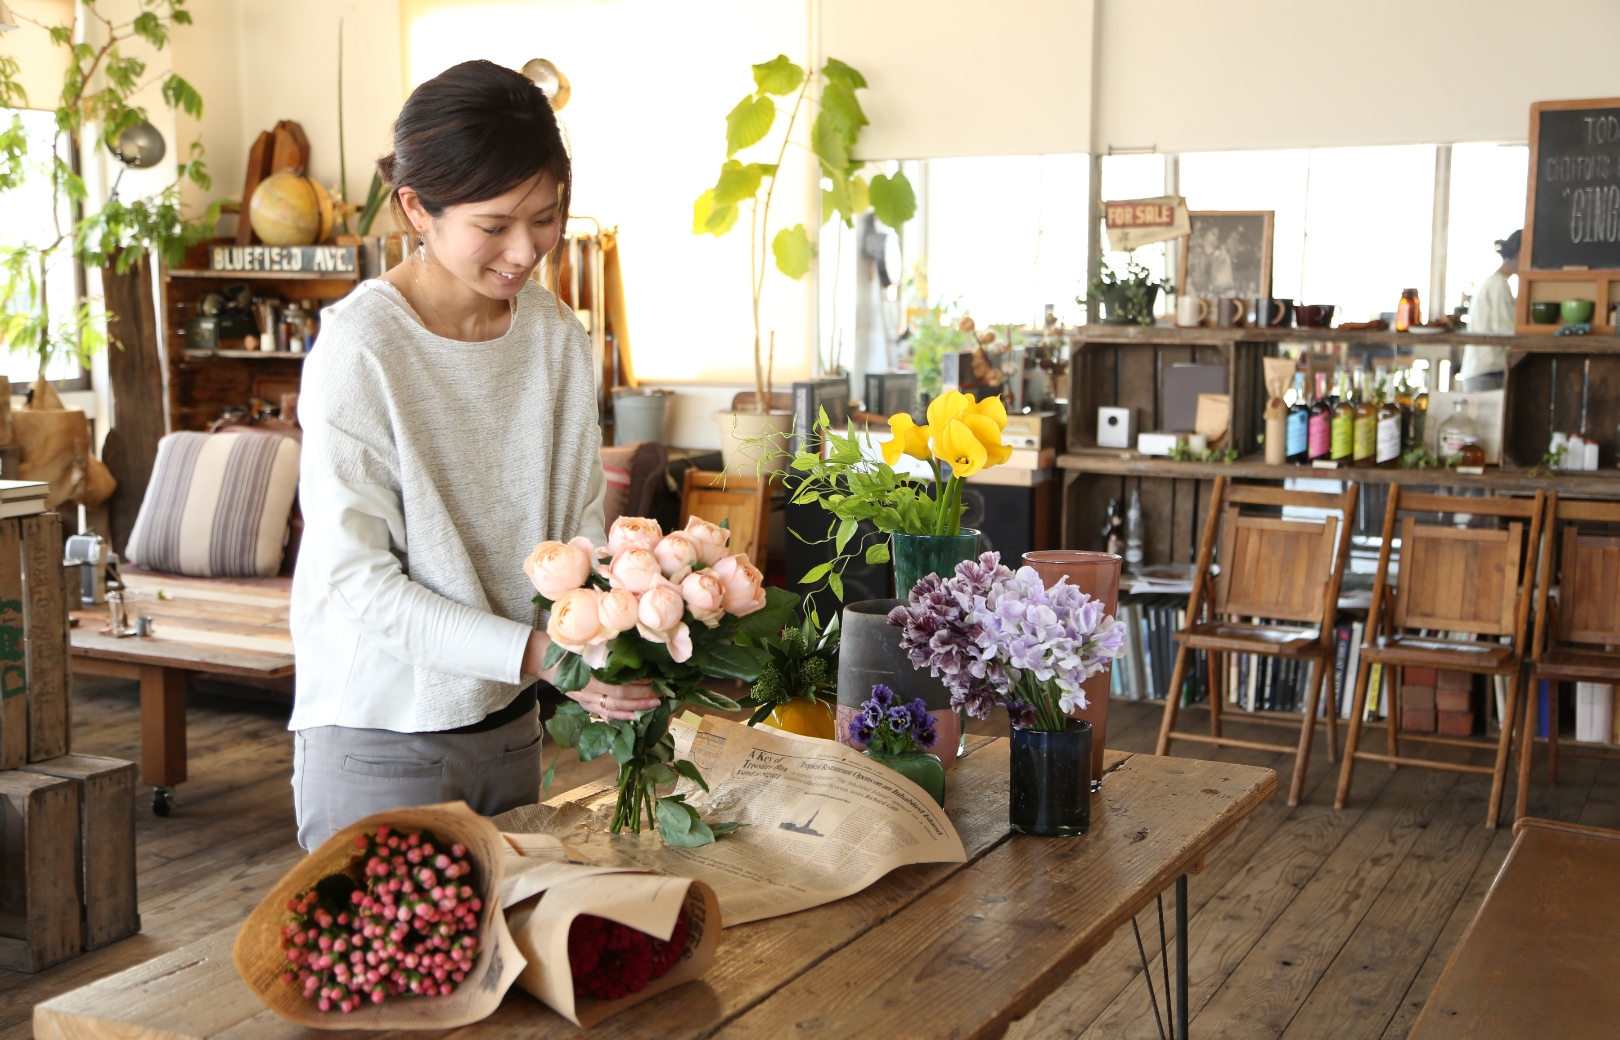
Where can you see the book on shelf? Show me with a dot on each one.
(890, 393)
(810, 398)
(1594, 712)
(21, 507)
(13, 490)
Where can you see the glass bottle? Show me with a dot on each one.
(1365, 431)
(1133, 530)
(1344, 418)
(1114, 530)
(1403, 400)
(1319, 437)
(1458, 429)
(1418, 417)
(1387, 450)
(1409, 311)
(1299, 424)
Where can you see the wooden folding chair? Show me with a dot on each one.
(1451, 580)
(742, 502)
(1278, 570)
(1575, 640)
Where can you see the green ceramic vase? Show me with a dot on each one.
(920, 767)
(916, 555)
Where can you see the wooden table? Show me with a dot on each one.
(959, 949)
(215, 627)
(1542, 954)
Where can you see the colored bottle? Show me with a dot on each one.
(1299, 424)
(1409, 311)
(1344, 420)
(1319, 437)
(1457, 430)
(1365, 430)
(1418, 416)
(1387, 451)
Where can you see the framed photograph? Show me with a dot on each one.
(1227, 253)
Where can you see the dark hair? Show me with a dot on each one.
(1509, 246)
(470, 133)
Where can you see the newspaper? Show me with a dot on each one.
(820, 822)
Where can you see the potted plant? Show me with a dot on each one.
(899, 735)
(833, 133)
(1127, 298)
(798, 680)
(93, 108)
(996, 637)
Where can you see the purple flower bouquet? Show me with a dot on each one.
(995, 636)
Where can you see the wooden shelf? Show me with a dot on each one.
(1171, 335)
(1596, 484)
(245, 355)
(265, 276)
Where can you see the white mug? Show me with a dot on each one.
(1191, 311)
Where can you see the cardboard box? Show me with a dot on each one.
(1032, 430)
(1418, 720)
(1456, 723)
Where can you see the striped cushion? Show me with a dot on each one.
(217, 505)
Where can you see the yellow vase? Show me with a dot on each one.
(802, 717)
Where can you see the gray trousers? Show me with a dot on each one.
(341, 775)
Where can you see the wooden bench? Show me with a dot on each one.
(231, 628)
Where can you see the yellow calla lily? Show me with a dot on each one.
(988, 434)
(947, 406)
(992, 409)
(909, 439)
(956, 444)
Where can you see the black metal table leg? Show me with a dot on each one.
(1181, 957)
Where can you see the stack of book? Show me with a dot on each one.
(22, 497)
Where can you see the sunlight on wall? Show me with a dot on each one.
(652, 83)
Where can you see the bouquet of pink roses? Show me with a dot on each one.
(649, 605)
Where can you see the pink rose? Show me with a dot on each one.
(634, 569)
(704, 596)
(633, 532)
(710, 539)
(680, 644)
(576, 625)
(617, 610)
(557, 567)
(676, 555)
(744, 585)
(660, 610)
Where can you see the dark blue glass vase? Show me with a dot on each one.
(1051, 780)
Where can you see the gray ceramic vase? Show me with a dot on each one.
(869, 653)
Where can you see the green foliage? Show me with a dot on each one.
(1127, 295)
(793, 251)
(1182, 453)
(930, 340)
(778, 76)
(893, 201)
(375, 197)
(801, 661)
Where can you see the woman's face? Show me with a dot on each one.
(492, 246)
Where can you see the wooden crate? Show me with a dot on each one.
(45, 638)
(106, 873)
(39, 855)
(1545, 393)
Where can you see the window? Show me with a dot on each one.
(1487, 203)
(25, 217)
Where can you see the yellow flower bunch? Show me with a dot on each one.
(962, 431)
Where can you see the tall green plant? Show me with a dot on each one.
(94, 108)
(845, 191)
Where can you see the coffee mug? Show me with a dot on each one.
(1545, 312)
(1230, 311)
(1273, 313)
(1191, 311)
(1314, 315)
(1576, 311)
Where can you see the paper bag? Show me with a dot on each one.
(261, 961)
(1279, 376)
(1213, 417)
(546, 893)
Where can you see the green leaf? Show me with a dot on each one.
(660, 774)
(680, 825)
(839, 199)
(836, 583)
(719, 701)
(550, 774)
(828, 142)
(761, 713)
(769, 619)
(838, 101)
(177, 93)
(749, 122)
(816, 573)
(793, 251)
(724, 828)
(778, 76)
(566, 724)
(623, 747)
(893, 201)
(846, 531)
(878, 553)
(737, 182)
(595, 740)
(690, 771)
(554, 654)
(709, 219)
(860, 194)
(837, 72)
(572, 674)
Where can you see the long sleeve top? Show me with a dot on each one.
(431, 467)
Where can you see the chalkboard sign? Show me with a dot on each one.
(1573, 216)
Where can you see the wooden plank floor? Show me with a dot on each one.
(1307, 922)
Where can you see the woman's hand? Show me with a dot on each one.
(611, 702)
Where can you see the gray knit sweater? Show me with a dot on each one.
(430, 467)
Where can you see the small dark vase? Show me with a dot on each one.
(919, 555)
(1118, 310)
(1051, 781)
(920, 767)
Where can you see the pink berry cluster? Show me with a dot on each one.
(407, 928)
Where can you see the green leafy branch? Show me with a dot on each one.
(800, 662)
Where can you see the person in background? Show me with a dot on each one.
(1492, 313)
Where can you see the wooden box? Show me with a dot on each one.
(106, 870)
(39, 856)
(34, 661)
(1549, 392)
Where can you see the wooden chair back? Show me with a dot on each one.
(1460, 579)
(741, 502)
(1287, 570)
(1589, 585)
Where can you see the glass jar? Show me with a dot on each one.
(1409, 311)
(1458, 429)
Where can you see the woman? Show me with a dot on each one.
(1491, 312)
(450, 423)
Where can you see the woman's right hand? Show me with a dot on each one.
(610, 702)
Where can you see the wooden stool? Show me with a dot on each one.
(1279, 570)
(742, 503)
(1451, 580)
(1585, 622)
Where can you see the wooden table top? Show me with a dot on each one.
(933, 949)
(1542, 954)
(199, 625)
